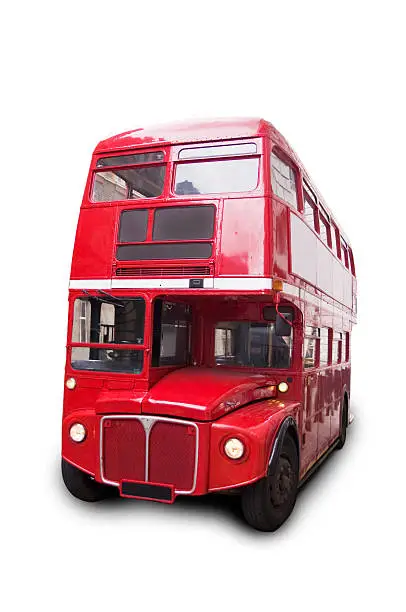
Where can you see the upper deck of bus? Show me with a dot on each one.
(240, 238)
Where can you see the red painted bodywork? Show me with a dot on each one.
(252, 240)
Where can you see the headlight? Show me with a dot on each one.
(71, 383)
(283, 387)
(77, 432)
(234, 448)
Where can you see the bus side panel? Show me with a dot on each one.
(280, 240)
(242, 245)
(92, 254)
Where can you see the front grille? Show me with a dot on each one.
(190, 271)
(172, 450)
(172, 454)
(123, 449)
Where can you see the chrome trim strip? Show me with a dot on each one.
(148, 422)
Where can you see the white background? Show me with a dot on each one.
(331, 77)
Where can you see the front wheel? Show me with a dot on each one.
(83, 486)
(267, 503)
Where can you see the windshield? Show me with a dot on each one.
(241, 343)
(104, 332)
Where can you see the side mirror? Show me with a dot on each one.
(282, 328)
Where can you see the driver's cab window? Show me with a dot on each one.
(171, 333)
(251, 344)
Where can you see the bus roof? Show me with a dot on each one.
(187, 131)
(207, 130)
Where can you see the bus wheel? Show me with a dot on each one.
(267, 503)
(83, 486)
(343, 426)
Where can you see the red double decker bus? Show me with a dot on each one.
(211, 302)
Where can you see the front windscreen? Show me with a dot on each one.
(241, 343)
(217, 176)
(104, 332)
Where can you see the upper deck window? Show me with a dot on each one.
(217, 176)
(309, 212)
(130, 160)
(283, 180)
(324, 230)
(334, 239)
(229, 150)
(129, 177)
(344, 253)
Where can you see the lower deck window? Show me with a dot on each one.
(107, 360)
(171, 344)
(240, 343)
(106, 320)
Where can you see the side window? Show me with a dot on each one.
(310, 347)
(283, 180)
(334, 246)
(310, 203)
(324, 230)
(171, 343)
(324, 346)
(337, 347)
(309, 212)
(347, 346)
(344, 253)
(352, 264)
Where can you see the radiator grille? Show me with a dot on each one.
(172, 454)
(190, 271)
(123, 449)
(172, 448)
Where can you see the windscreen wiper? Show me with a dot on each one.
(112, 297)
(113, 300)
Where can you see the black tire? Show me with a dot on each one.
(83, 486)
(267, 503)
(343, 425)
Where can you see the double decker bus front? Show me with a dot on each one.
(197, 360)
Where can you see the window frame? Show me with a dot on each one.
(190, 324)
(103, 345)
